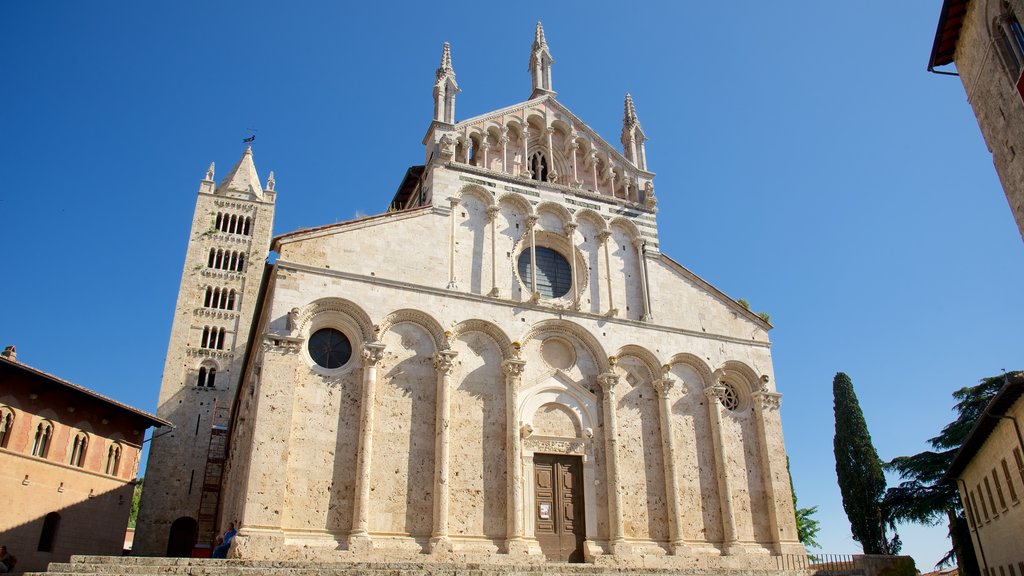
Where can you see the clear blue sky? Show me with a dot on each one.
(806, 162)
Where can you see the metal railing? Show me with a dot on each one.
(821, 564)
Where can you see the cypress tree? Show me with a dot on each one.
(859, 469)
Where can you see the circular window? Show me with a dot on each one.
(554, 277)
(329, 348)
(730, 399)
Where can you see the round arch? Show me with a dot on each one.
(489, 329)
(421, 319)
(577, 332)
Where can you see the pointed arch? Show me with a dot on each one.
(489, 329)
(421, 319)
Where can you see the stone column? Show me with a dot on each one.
(484, 147)
(514, 541)
(607, 382)
(444, 361)
(454, 202)
(573, 147)
(593, 167)
(640, 244)
(766, 405)
(570, 234)
(668, 451)
(548, 133)
(531, 223)
(603, 237)
(611, 180)
(503, 140)
(715, 394)
(524, 170)
(492, 217)
(359, 537)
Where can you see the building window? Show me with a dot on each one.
(971, 520)
(1009, 481)
(213, 338)
(6, 425)
(539, 166)
(991, 499)
(329, 348)
(1009, 37)
(999, 489)
(220, 298)
(1020, 463)
(78, 447)
(983, 508)
(730, 400)
(233, 224)
(207, 377)
(113, 460)
(226, 260)
(41, 442)
(554, 276)
(49, 534)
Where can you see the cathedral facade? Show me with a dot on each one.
(502, 367)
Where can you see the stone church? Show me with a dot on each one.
(502, 367)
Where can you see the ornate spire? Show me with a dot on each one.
(209, 173)
(629, 118)
(540, 64)
(445, 88)
(633, 136)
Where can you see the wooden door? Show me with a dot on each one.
(558, 510)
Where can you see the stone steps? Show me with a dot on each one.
(141, 566)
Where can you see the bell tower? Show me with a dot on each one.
(227, 247)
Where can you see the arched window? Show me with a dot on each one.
(220, 340)
(248, 224)
(539, 166)
(233, 227)
(241, 262)
(231, 300)
(49, 534)
(113, 459)
(209, 297)
(213, 254)
(6, 425)
(220, 260)
(211, 377)
(204, 343)
(78, 447)
(41, 442)
(207, 376)
(1009, 37)
(220, 218)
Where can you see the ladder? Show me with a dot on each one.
(209, 499)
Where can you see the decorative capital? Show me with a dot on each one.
(663, 386)
(525, 430)
(513, 368)
(454, 201)
(444, 361)
(603, 236)
(570, 228)
(492, 213)
(607, 381)
(767, 400)
(531, 221)
(373, 353)
(715, 392)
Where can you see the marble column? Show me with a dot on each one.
(514, 541)
(766, 406)
(454, 202)
(492, 218)
(668, 450)
(715, 394)
(641, 260)
(524, 169)
(602, 238)
(531, 223)
(359, 537)
(570, 234)
(607, 382)
(444, 361)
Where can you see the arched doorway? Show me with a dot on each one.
(184, 531)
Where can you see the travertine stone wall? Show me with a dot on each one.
(991, 92)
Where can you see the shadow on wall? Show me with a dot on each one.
(94, 526)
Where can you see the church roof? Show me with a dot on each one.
(242, 178)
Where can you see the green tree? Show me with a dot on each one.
(922, 497)
(806, 527)
(136, 496)
(859, 469)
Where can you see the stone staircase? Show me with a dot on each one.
(142, 566)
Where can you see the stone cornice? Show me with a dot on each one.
(525, 305)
